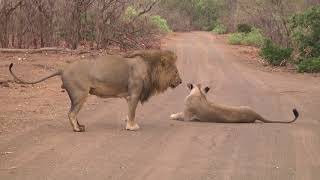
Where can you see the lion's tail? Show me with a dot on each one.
(295, 113)
(57, 73)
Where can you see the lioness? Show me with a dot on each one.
(198, 108)
(136, 77)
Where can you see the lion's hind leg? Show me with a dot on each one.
(77, 98)
(178, 116)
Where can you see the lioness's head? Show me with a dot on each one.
(196, 90)
(163, 72)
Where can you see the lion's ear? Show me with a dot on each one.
(190, 86)
(206, 89)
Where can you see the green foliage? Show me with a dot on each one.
(236, 38)
(201, 13)
(275, 55)
(253, 38)
(306, 31)
(206, 13)
(244, 28)
(210, 27)
(219, 29)
(130, 12)
(161, 23)
(310, 65)
(157, 20)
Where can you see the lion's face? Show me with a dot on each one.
(162, 71)
(170, 73)
(175, 77)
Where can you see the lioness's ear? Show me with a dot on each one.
(190, 86)
(206, 89)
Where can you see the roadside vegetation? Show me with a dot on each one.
(219, 29)
(295, 38)
(286, 31)
(253, 37)
(94, 24)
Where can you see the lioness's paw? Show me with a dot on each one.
(131, 127)
(173, 116)
(81, 128)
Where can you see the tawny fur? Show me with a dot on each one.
(135, 78)
(198, 108)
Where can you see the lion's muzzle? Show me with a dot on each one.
(176, 83)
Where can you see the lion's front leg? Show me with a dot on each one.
(132, 106)
(178, 116)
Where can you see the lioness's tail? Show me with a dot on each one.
(295, 113)
(57, 73)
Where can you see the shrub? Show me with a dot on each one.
(310, 65)
(219, 29)
(306, 32)
(161, 23)
(244, 28)
(210, 27)
(236, 38)
(275, 55)
(253, 38)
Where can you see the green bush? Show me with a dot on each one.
(275, 55)
(236, 38)
(244, 28)
(219, 29)
(306, 32)
(161, 23)
(253, 38)
(310, 65)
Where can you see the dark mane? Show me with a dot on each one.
(157, 63)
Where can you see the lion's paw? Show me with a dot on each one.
(131, 127)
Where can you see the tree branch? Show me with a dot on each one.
(148, 8)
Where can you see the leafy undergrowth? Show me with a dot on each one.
(252, 38)
(310, 65)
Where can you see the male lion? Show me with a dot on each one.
(198, 108)
(135, 77)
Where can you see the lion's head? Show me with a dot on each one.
(162, 71)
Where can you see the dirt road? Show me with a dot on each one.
(172, 150)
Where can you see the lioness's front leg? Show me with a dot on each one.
(184, 116)
(178, 116)
(132, 106)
